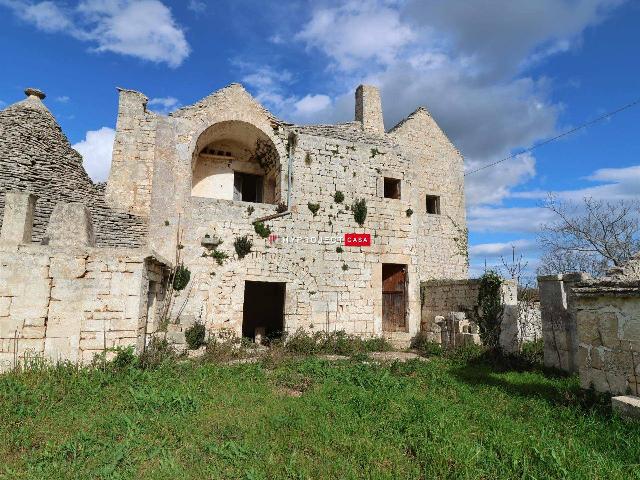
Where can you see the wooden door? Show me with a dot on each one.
(394, 297)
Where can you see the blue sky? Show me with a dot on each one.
(498, 75)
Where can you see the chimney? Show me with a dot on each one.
(17, 223)
(369, 108)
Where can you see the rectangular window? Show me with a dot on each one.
(433, 204)
(391, 188)
(247, 187)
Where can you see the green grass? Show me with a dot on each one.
(308, 418)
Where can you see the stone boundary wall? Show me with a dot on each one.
(559, 329)
(68, 305)
(608, 330)
(441, 297)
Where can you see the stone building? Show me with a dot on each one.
(187, 186)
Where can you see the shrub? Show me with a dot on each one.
(339, 250)
(425, 346)
(250, 210)
(219, 256)
(490, 309)
(243, 246)
(359, 208)
(194, 335)
(157, 352)
(281, 208)
(334, 343)
(125, 358)
(181, 277)
(409, 212)
(261, 229)
(345, 267)
(338, 197)
(314, 207)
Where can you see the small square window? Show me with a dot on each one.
(433, 204)
(391, 188)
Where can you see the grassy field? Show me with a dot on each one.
(308, 418)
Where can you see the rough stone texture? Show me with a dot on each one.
(626, 406)
(369, 109)
(608, 326)
(17, 223)
(320, 295)
(559, 330)
(70, 225)
(36, 157)
(69, 304)
(442, 297)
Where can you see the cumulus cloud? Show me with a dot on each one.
(63, 99)
(311, 104)
(163, 105)
(502, 248)
(507, 219)
(96, 149)
(197, 6)
(144, 29)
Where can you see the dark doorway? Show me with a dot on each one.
(263, 309)
(247, 187)
(394, 297)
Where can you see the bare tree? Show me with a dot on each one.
(589, 236)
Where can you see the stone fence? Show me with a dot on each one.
(68, 300)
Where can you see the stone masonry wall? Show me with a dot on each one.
(62, 304)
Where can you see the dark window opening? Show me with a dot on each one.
(433, 204)
(263, 311)
(392, 188)
(247, 187)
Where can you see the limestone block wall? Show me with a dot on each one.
(559, 329)
(441, 297)
(63, 304)
(608, 330)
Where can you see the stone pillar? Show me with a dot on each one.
(369, 108)
(17, 223)
(70, 225)
(559, 321)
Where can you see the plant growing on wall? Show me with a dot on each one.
(281, 208)
(339, 250)
(243, 246)
(219, 256)
(261, 229)
(409, 212)
(194, 335)
(314, 207)
(490, 308)
(338, 197)
(359, 209)
(250, 210)
(181, 277)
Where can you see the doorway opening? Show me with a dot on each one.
(394, 298)
(263, 312)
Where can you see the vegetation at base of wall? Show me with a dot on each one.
(338, 197)
(490, 309)
(317, 419)
(261, 229)
(243, 246)
(195, 335)
(313, 207)
(181, 277)
(281, 208)
(332, 343)
(409, 212)
(359, 209)
(156, 353)
(425, 346)
(339, 250)
(250, 210)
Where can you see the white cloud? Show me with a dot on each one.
(357, 31)
(63, 99)
(163, 105)
(502, 248)
(507, 219)
(312, 104)
(197, 6)
(96, 149)
(144, 29)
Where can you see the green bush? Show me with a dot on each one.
(243, 246)
(181, 277)
(219, 256)
(359, 208)
(339, 250)
(261, 229)
(125, 358)
(194, 335)
(409, 212)
(333, 343)
(490, 309)
(156, 353)
(338, 197)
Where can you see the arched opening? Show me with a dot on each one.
(235, 160)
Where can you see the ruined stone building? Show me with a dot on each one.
(86, 266)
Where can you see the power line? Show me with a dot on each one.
(553, 139)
